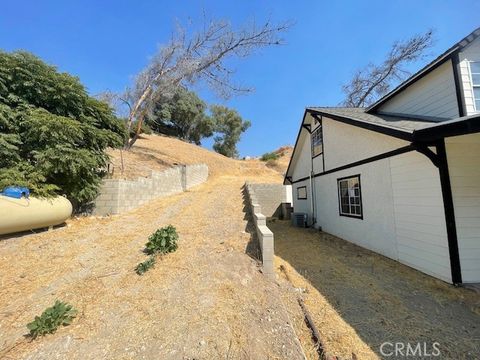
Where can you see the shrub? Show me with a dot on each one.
(269, 156)
(162, 241)
(52, 133)
(143, 267)
(59, 314)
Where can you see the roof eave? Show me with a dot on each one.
(401, 134)
(286, 180)
(447, 55)
(470, 125)
(415, 77)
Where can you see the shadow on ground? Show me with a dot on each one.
(381, 299)
(253, 246)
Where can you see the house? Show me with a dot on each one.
(401, 177)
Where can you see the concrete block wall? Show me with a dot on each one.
(119, 195)
(271, 197)
(264, 234)
(195, 175)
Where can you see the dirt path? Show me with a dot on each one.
(351, 290)
(207, 300)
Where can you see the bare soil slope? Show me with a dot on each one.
(281, 164)
(156, 152)
(207, 300)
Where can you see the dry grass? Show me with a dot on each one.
(360, 299)
(281, 164)
(156, 152)
(206, 300)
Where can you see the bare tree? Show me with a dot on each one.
(201, 56)
(118, 102)
(374, 81)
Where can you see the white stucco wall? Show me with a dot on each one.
(403, 216)
(463, 154)
(303, 206)
(432, 95)
(345, 143)
(470, 53)
(303, 164)
(376, 231)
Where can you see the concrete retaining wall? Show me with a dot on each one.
(118, 195)
(264, 234)
(271, 197)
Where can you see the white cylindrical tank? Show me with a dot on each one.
(32, 213)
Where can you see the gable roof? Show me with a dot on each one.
(447, 55)
(400, 126)
(407, 128)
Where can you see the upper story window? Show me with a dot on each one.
(475, 72)
(317, 141)
(350, 196)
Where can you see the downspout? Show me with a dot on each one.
(312, 192)
(312, 201)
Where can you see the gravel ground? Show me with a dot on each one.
(360, 299)
(207, 300)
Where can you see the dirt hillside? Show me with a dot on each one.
(281, 163)
(155, 152)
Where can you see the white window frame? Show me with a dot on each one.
(353, 199)
(317, 141)
(474, 86)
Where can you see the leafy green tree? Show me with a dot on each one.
(230, 125)
(52, 134)
(182, 116)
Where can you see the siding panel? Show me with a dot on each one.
(419, 215)
(433, 95)
(464, 166)
(470, 53)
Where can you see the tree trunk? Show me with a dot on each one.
(137, 131)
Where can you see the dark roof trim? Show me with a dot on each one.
(461, 126)
(401, 134)
(457, 127)
(458, 86)
(384, 155)
(447, 55)
(287, 179)
(455, 267)
(419, 118)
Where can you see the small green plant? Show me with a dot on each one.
(162, 241)
(269, 156)
(143, 267)
(59, 314)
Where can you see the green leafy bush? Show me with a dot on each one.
(143, 267)
(162, 241)
(269, 156)
(59, 314)
(52, 133)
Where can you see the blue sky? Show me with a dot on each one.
(107, 42)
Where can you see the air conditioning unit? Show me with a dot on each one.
(299, 219)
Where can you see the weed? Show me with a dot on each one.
(162, 241)
(59, 314)
(143, 267)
